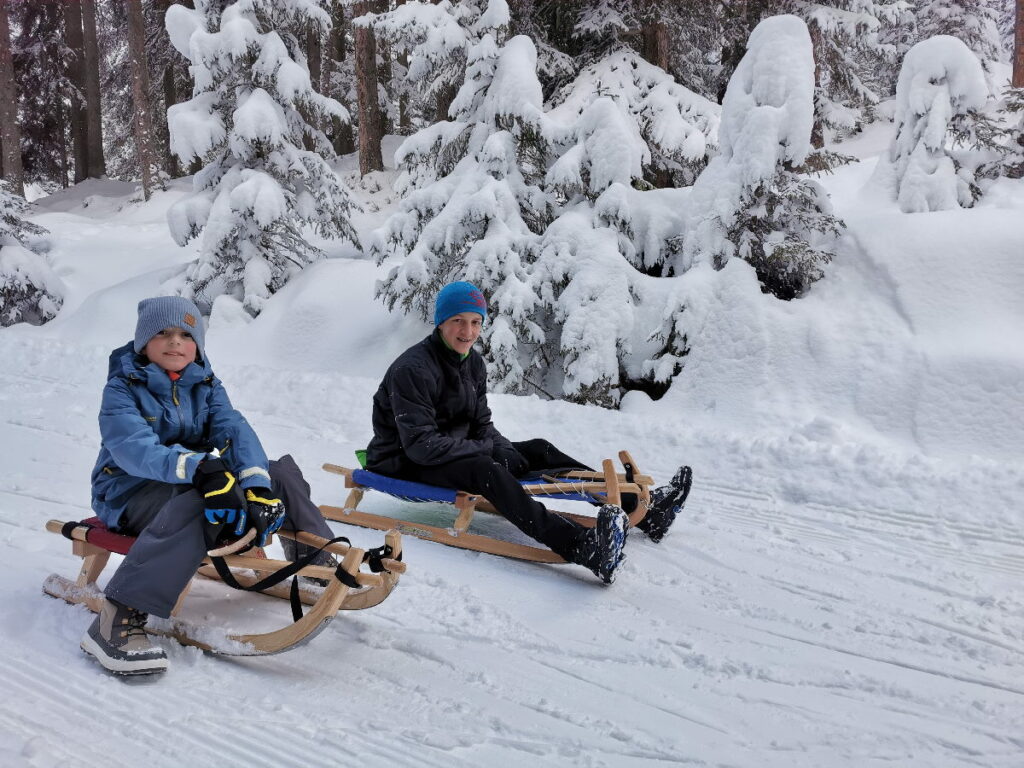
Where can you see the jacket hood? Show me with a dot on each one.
(125, 363)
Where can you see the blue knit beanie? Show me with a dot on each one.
(167, 312)
(458, 297)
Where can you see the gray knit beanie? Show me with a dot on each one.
(167, 312)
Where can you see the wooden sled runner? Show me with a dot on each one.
(605, 486)
(349, 588)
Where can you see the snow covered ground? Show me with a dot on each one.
(843, 590)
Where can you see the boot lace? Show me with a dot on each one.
(136, 624)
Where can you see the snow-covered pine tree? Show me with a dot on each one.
(751, 202)
(252, 114)
(1013, 109)
(583, 273)
(678, 127)
(30, 292)
(436, 38)
(851, 57)
(974, 22)
(474, 205)
(941, 81)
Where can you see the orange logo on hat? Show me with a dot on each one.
(189, 320)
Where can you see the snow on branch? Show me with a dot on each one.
(940, 81)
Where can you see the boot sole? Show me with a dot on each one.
(122, 666)
(681, 484)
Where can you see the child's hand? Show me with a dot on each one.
(223, 502)
(266, 513)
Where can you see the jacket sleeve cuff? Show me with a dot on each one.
(187, 462)
(254, 477)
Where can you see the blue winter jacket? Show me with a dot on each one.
(153, 428)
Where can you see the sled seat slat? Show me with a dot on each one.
(418, 492)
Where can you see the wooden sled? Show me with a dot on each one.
(605, 486)
(94, 543)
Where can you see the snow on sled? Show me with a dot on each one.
(604, 487)
(348, 587)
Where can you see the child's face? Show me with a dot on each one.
(172, 349)
(462, 330)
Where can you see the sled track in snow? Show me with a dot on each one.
(168, 728)
(900, 531)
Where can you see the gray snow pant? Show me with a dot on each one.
(169, 521)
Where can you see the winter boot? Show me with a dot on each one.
(600, 550)
(293, 551)
(666, 502)
(117, 638)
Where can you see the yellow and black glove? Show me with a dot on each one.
(266, 513)
(223, 502)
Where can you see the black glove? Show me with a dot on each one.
(223, 502)
(266, 513)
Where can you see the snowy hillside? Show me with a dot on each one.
(845, 588)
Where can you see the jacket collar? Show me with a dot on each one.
(443, 351)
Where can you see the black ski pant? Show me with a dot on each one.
(169, 522)
(490, 476)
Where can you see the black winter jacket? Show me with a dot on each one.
(431, 408)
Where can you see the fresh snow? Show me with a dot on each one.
(843, 589)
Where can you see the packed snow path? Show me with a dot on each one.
(843, 590)
(785, 621)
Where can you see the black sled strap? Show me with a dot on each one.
(277, 577)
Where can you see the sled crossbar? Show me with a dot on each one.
(601, 487)
(348, 587)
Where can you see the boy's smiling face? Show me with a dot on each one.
(172, 349)
(462, 330)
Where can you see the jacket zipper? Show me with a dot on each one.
(177, 406)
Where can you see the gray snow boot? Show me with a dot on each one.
(601, 547)
(117, 638)
(293, 551)
(666, 503)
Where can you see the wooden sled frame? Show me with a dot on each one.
(606, 483)
(374, 588)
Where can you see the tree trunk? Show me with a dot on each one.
(10, 133)
(140, 94)
(817, 129)
(341, 133)
(170, 91)
(384, 73)
(97, 167)
(370, 124)
(521, 17)
(76, 74)
(1018, 48)
(445, 96)
(655, 42)
(404, 113)
(314, 57)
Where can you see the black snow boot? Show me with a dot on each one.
(601, 547)
(666, 503)
(117, 638)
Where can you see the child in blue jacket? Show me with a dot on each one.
(176, 462)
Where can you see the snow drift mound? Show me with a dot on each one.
(914, 334)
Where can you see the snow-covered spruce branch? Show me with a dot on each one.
(256, 121)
